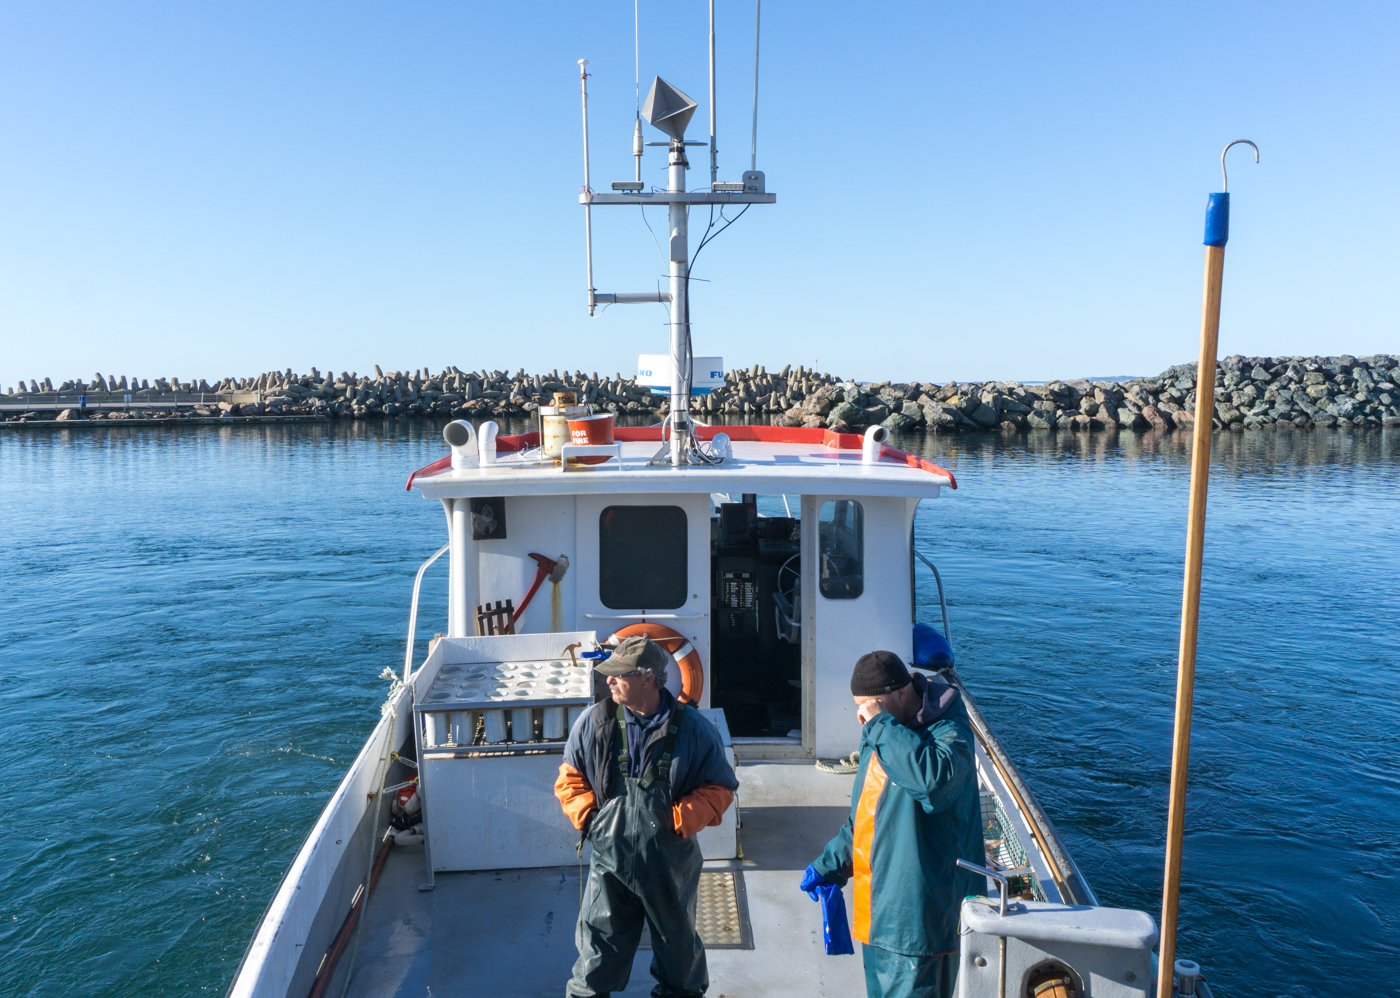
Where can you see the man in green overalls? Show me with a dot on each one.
(915, 811)
(642, 773)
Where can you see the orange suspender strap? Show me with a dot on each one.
(863, 844)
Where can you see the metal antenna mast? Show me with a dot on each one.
(753, 148)
(587, 190)
(669, 111)
(714, 153)
(637, 57)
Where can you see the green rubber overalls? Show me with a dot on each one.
(641, 871)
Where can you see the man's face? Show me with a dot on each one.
(631, 691)
(903, 703)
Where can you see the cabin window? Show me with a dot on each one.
(642, 557)
(841, 549)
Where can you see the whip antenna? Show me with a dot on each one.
(637, 61)
(753, 148)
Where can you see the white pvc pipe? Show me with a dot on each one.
(435, 732)
(463, 726)
(486, 443)
(462, 438)
(495, 725)
(875, 437)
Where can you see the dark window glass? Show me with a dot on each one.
(841, 549)
(642, 557)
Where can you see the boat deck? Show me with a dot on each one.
(510, 933)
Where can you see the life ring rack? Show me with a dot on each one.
(686, 655)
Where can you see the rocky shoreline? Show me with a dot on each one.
(1250, 393)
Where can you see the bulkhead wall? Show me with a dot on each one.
(502, 568)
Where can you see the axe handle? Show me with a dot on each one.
(540, 573)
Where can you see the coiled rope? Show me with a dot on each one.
(845, 766)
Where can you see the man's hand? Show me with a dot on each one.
(870, 709)
(811, 880)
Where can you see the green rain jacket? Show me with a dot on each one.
(914, 812)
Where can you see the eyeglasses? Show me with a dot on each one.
(629, 675)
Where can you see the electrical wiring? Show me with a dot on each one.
(689, 374)
(656, 242)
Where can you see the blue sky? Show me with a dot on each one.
(964, 191)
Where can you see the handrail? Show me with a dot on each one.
(644, 616)
(998, 875)
(413, 614)
(942, 603)
(1074, 889)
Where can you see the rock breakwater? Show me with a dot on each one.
(1250, 393)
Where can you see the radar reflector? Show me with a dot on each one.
(668, 109)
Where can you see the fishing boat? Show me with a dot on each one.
(766, 560)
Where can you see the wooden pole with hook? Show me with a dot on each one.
(1217, 233)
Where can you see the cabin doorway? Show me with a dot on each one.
(755, 629)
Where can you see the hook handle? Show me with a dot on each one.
(1225, 180)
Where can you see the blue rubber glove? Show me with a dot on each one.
(810, 880)
(836, 933)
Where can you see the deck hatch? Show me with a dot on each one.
(721, 912)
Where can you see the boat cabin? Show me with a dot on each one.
(777, 568)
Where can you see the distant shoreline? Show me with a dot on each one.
(1250, 393)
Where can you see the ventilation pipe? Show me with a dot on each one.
(875, 438)
(462, 439)
(486, 443)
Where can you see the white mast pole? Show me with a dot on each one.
(753, 147)
(680, 324)
(587, 208)
(714, 155)
(637, 57)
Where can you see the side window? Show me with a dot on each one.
(642, 557)
(841, 549)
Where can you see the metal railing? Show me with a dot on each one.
(413, 614)
(942, 603)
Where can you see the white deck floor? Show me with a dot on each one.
(510, 934)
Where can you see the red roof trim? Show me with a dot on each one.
(518, 442)
(917, 462)
(758, 434)
(441, 464)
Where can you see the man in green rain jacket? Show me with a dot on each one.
(914, 813)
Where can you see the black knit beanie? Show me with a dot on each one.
(878, 673)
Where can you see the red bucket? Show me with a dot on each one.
(591, 431)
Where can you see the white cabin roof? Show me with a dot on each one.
(765, 459)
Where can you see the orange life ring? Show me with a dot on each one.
(686, 656)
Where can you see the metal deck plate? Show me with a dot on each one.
(721, 912)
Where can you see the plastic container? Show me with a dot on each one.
(554, 423)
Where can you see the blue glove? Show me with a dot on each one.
(810, 880)
(836, 933)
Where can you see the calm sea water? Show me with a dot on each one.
(194, 621)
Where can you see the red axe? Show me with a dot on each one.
(552, 567)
